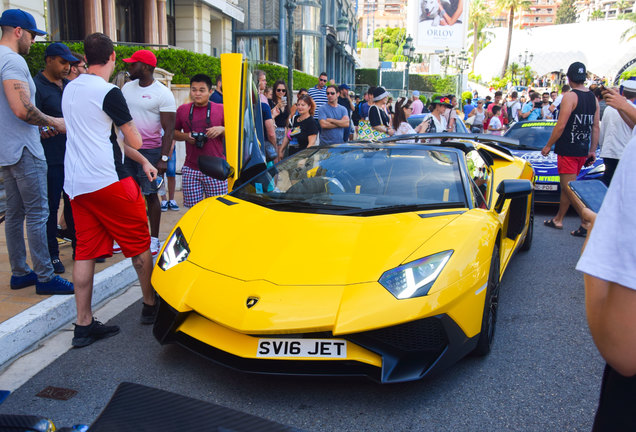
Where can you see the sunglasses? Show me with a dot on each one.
(408, 107)
(331, 93)
(323, 80)
(282, 90)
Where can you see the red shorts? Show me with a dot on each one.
(570, 164)
(116, 212)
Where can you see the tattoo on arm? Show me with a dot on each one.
(33, 115)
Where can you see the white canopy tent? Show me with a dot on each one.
(597, 44)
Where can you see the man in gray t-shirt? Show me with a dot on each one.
(22, 159)
(333, 118)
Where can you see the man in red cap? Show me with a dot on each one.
(153, 109)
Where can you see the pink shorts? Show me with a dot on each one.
(570, 164)
(116, 212)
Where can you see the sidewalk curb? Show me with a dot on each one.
(26, 329)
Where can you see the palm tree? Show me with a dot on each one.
(479, 17)
(597, 14)
(511, 6)
(514, 70)
(621, 5)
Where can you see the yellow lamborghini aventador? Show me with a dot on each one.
(378, 259)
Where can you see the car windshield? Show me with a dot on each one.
(360, 181)
(531, 135)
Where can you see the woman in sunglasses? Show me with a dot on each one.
(279, 103)
(480, 115)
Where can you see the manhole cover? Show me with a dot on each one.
(57, 393)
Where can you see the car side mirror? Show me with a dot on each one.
(512, 188)
(215, 167)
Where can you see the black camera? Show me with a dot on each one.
(199, 139)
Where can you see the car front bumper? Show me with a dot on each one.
(403, 352)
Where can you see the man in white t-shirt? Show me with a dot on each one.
(615, 133)
(608, 261)
(105, 206)
(554, 107)
(153, 109)
(513, 106)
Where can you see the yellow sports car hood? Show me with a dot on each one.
(289, 248)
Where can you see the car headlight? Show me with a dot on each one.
(416, 278)
(597, 170)
(175, 251)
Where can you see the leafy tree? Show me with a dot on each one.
(621, 5)
(566, 12)
(597, 14)
(511, 6)
(513, 71)
(479, 17)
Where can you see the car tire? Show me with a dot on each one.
(491, 305)
(527, 242)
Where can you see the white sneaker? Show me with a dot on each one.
(116, 248)
(154, 246)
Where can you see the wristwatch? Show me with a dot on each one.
(165, 158)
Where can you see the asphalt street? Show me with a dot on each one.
(543, 374)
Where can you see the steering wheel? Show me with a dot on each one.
(316, 185)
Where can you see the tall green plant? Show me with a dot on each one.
(566, 12)
(479, 17)
(511, 6)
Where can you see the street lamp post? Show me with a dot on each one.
(525, 59)
(462, 64)
(341, 31)
(290, 5)
(407, 50)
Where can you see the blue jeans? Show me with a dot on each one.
(25, 186)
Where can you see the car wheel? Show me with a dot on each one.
(489, 319)
(527, 242)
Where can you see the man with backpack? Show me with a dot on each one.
(513, 106)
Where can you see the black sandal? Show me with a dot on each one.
(581, 232)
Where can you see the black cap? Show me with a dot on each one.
(577, 72)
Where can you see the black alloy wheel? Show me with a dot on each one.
(491, 305)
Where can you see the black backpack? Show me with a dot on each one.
(355, 116)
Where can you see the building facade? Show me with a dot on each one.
(608, 9)
(540, 13)
(375, 14)
(256, 28)
(316, 45)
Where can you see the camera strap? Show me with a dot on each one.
(207, 115)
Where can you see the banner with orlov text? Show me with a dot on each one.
(437, 24)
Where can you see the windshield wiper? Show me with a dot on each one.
(400, 208)
(300, 204)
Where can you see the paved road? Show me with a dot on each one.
(543, 375)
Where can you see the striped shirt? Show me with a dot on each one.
(319, 96)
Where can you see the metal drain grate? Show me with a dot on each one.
(57, 393)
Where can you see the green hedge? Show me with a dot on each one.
(367, 77)
(276, 72)
(423, 83)
(433, 83)
(182, 63)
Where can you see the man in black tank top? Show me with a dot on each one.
(575, 138)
